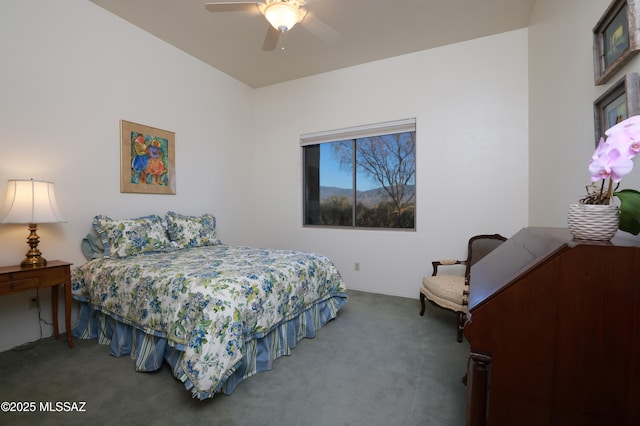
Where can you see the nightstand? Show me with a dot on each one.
(14, 279)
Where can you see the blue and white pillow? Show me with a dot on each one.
(132, 237)
(191, 231)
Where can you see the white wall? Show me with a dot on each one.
(70, 71)
(562, 91)
(505, 130)
(470, 101)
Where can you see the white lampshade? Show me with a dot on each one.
(31, 201)
(283, 15)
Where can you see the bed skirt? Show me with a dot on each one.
(149, 351)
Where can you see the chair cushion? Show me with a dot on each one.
(445, 290)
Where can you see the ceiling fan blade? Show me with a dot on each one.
(230, 6)
(233, 2)
(320, 29)
(271, 39)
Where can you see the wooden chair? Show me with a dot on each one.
(452, 291)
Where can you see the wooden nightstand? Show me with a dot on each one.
(14, 279)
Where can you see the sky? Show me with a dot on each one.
(332, 175)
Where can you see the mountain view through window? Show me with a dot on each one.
(366, 182)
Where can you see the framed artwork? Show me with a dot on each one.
(148, 159)
(619, 102)
(615, 38)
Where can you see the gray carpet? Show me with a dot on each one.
(377, 363)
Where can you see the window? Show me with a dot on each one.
(361, 177)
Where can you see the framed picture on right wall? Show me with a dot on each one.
(618, 103)
(616, 38)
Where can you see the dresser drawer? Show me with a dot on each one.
(18, 285)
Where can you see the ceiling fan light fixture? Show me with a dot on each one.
(283, 15)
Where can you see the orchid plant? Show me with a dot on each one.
(611, 161)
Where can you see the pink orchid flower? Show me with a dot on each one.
(608, 162)
(625, 136)
(601, 150)
(630, 125)
(611, 161)
(628, 144)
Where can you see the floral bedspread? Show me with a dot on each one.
(208, 301)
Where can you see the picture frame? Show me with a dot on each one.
(615, 38)
(619, 102)
(147, 159)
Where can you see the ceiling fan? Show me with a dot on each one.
(282, 15)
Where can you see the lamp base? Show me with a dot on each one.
(34, 257)
(33, 262)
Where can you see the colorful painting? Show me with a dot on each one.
(148, 159)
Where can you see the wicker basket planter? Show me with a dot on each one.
(593, 222)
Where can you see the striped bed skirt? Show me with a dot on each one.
(149, 351)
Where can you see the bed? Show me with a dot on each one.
(165, 289)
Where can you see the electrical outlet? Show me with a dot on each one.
(357, 266)
(33, 302)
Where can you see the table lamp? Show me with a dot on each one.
(31, 201)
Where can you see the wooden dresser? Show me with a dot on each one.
(555, 332)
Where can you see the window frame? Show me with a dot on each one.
(354, 133)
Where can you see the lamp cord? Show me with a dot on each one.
(41, 320)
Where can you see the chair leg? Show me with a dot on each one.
(462, 319)
(422, 297)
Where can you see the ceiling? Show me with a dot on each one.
(369, 30)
